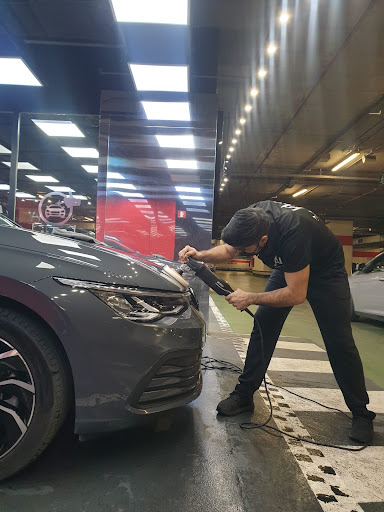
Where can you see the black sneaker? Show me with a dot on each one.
(362, 430)
(235, 404)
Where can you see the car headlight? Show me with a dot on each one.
(132, 303)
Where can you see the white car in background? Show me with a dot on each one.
(367, 290)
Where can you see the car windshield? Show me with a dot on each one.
(5, 222)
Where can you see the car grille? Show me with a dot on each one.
(176, 379)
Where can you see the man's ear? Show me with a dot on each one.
(263, 240)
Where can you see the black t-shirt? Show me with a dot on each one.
(298, 238)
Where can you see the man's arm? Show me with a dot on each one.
(218, 254)
(294, 293)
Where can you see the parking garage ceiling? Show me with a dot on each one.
(320, 102)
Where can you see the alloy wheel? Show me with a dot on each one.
(17, 397)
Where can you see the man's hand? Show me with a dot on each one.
(240, 299)
(188, 252)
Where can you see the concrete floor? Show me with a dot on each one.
(189, 459)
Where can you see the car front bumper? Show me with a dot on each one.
(123, 369)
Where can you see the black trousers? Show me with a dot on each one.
(329, 297)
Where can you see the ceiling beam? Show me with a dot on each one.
(304, 177)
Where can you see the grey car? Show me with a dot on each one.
(83, 329)
(367, 290)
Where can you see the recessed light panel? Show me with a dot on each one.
(4, 150)
(181, 164)
(170, 12)
(23, 165)
(81, 197)
(188, 189)
(167, 110)
(115, 176)
(126, 186)
(24, 195)
(176, 141)
(130, 194)
(42, 179)
(160, 78)
(81, 152)
(59, 128)
(93, 169)
(3, 186)
(59, 189)
(192, 198)
(15, 72)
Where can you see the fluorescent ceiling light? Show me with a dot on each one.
(59, 189)
(192, 198)
(23, 165)
(15, 72)
(176, 141)
(242, 120)
(25, 195)
(238, 132)
(42, 179)
(231, 149)
(81, 152)
(254, 92)
(225, 179)
(284, 17)
(300, 192)
(345, 162)
(167, 110)
(4, 150)
(262, 73)
(91, 168)
(130, 194)
(197, 210)
(248, 108)
(160, 78)
(194, 203)
(115, 176)
(126, 186)
(59, 128)
(181, 164)
(188, 189)
(271, 49)
(4, 187)
(81, 197)
(170, 12)
(234, 141)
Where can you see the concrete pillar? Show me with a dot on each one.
(343, 229)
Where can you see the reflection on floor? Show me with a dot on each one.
(191, 460)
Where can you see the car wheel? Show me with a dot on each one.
(35, 390)
(354, 317)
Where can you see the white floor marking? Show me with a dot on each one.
(291, 345)
(284, 364)
(330, 489)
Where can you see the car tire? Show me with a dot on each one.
(354, 317)
(35, 389)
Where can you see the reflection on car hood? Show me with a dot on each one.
(37, 256)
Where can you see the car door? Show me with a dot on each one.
(368, 289)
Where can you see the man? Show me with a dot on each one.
(308, 262)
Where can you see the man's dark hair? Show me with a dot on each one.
(246, 227)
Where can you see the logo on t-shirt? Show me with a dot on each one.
(295, 208)
(278, 261)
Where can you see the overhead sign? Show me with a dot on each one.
(57, 208)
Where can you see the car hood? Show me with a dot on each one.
(37, 256)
